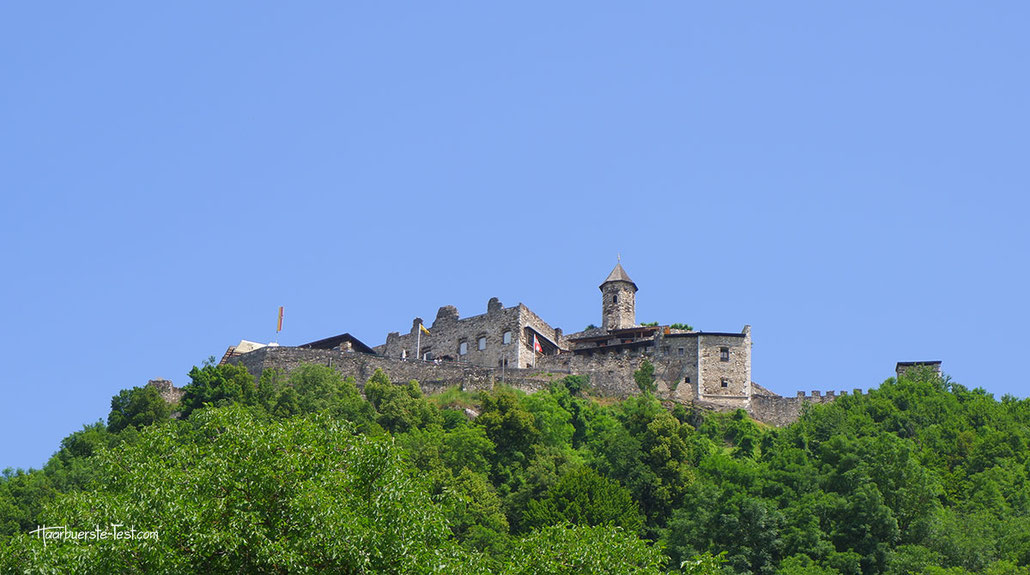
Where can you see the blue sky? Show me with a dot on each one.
(851, 180)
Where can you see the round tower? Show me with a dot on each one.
(618, 300)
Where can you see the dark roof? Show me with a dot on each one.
(543, 337)
(615, 346)
(600, 334)
(697, 333)
(336, 340)
(618, 275)
(592, 332)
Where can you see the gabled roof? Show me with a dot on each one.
(619, 275)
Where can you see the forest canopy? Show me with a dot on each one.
(312, 472)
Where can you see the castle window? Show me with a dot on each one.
(686, 379)
(428, 356)
(725, 382)
(724, 354)
(463, 348)
(681, 351)
(482, 342)
(506, 339)
(615, 299)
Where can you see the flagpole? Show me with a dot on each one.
(418, 342)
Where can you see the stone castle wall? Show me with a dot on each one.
(676, 373)
(527, 357)
(780, 411)
(432, 376)
(734, 373)
(610, 376)
(450, 334)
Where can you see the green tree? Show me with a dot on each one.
(803, 565)
(644, 377)
(576, 384)
(552, 420)
(510, 426)
(23, 495)
(229, 493)
(137, 407)
(218, 385)
(582, 497)
(433, 448)
(584, 550)
(400, 407)
(475, 513)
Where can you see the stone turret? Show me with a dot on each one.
(618, 300)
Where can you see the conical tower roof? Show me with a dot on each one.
(618, 275)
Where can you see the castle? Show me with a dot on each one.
(514, 345)
(691, 364)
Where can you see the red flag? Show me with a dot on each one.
(536, 345)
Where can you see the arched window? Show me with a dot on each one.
(615, 299)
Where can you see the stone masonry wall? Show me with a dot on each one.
(735, 373)
(610, 376)
(780, 411)
(448, 332)
(618, 305)
(699, 372)
(432, 376)
(527, 357)
(677, 373)
(905, 366)
(677, 370)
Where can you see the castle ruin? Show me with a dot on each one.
(515, 346)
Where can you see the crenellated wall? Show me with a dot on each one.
(610, 376)
(778, 410)
(712, 369)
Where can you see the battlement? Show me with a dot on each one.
(904, 367)
(817, 396)
(610, 376)
(516, 346)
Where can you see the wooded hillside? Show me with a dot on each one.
(306, 473)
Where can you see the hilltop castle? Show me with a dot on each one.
(693, 364)
(516, 346)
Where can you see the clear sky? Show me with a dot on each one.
(850, 180)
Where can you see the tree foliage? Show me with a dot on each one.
(137, 407)
(218, 385)
(312, 472)
(644, 377)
